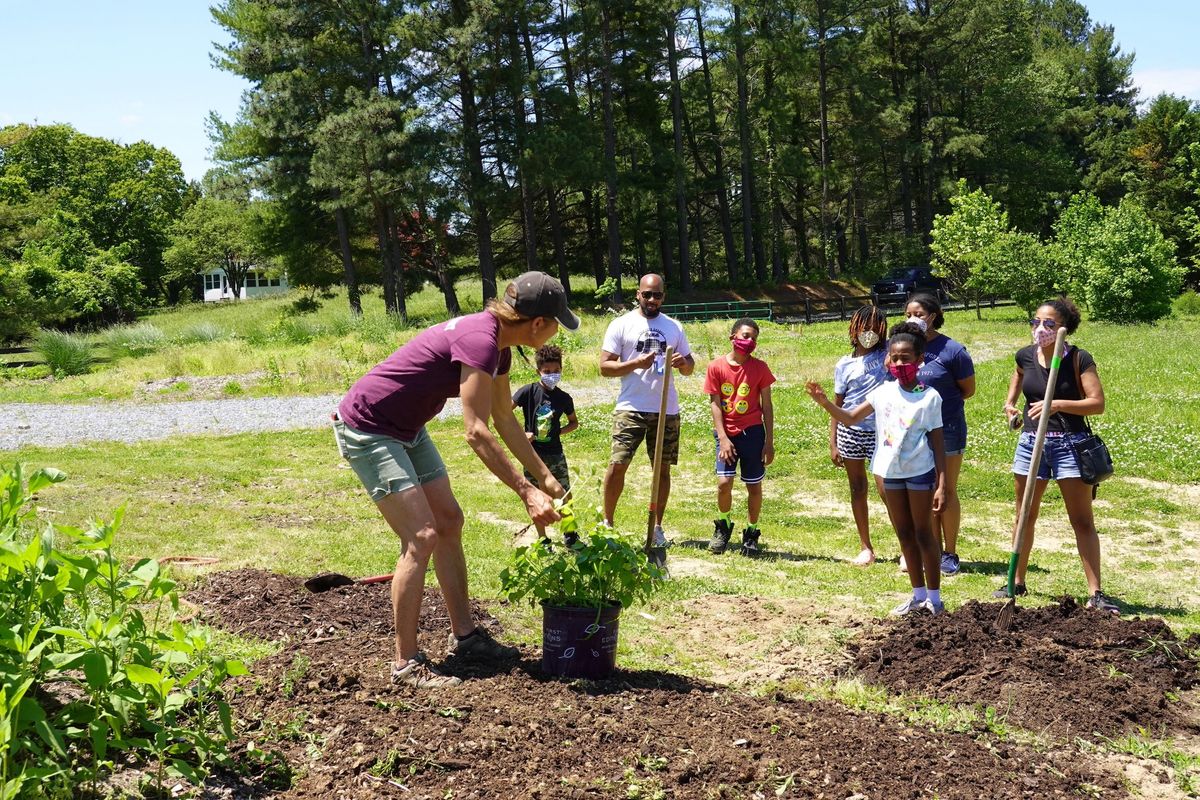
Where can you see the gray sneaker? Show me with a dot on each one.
(1102, 602)
(949, 564)
(907, 607)
(420, 674)
(660, 537)
(480, 644)
(722, 530)
(933, 608)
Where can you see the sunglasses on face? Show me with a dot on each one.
(652, 295)
(1049, 324)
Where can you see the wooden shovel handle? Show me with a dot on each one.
(658, 448)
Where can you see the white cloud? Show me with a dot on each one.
(1153, 82)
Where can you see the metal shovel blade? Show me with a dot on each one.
(326, 581)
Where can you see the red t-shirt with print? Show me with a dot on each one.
(738, 386)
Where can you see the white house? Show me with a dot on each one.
(216, 286)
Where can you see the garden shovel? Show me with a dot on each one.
(1005, 621)
(658, 555)
(331, 580)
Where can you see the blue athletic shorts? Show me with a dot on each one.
(748, 452)
(917, 483)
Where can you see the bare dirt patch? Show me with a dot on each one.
(324, 705)
(1061, 670)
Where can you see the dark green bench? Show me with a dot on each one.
(732, 309)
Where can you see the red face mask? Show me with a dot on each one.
(905, 373)
(744, 346)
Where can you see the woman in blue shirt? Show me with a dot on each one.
(949, 369)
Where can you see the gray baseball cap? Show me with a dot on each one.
(536, 294)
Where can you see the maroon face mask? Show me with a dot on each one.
(744, 346)
(905, 373)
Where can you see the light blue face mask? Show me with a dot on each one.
(551, 379)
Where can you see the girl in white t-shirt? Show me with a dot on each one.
(851, 447)
(909, 457)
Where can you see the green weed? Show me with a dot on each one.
(64, 353)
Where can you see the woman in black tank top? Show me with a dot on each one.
(1077, 394)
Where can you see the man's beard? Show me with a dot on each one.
(650, 313)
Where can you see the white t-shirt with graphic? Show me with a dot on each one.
(902, 420)
(629, 336)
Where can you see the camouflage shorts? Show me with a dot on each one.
(557, 464)
(630, 427)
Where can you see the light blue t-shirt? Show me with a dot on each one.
(854, 377)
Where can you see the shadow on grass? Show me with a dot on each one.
(765, 555)
(993, 568)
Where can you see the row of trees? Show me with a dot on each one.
(735, 142)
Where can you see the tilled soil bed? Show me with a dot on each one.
(324, 703)
(1061, 669)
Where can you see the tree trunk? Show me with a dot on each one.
(610, 160)
(702, 248)
(749, 249)
(473, 155)
(823, 104)
(681, 210)
(556, 229)
(731, 256)
(517, 87)
(590, 207)
(352, 293)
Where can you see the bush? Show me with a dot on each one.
(1131, 271)
(1019, 266)
(1187, 304)
(94, 670)
(64, 353)
(134, 340)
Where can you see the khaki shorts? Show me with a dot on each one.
(387, 465)
(557, 464)
(630, 427)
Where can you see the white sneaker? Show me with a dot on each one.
(903, 564)
(660, 538)
(933, 608)
(865, 558)
(907, 607)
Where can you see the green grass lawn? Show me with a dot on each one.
(286, 502)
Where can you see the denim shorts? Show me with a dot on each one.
(954, 435)
(1058, 456)
(748, 452)
(385, 464)
(917, 483)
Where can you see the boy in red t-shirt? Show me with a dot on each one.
(739, 387)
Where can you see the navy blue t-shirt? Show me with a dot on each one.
(946, 363)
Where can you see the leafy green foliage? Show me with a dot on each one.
(975, 224)
(603, 567)
(94, 669)
(1186, 305)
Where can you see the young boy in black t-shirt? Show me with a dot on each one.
(543, 405)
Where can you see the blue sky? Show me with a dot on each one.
(141, 69)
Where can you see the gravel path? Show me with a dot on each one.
(49, 425)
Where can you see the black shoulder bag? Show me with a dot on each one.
(1091, 453)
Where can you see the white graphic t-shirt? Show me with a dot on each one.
(629, 336)
(901, 421)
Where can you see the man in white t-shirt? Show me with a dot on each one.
(634, 348)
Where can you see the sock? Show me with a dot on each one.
(919, 594)
(935, 596)
(752, 526)
(725, 517)
(464, 638)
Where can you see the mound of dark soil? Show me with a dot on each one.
(324, 703)
(1061, 669)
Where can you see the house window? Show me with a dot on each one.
(212, 282)
(275, 282)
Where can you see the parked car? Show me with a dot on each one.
(904, 281)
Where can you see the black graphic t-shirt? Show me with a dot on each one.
(543, 409)
(1034, 377)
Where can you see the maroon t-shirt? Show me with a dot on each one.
(409, 387)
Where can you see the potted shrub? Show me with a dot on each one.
(582, 589)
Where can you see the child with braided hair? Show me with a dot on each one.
(850, 446)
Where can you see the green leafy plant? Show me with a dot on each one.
(601, 569)
(64, 353)
(94, 669)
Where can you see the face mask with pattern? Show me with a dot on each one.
(905, 373)
(1043, 336)
(551, 379)
(868, 339)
